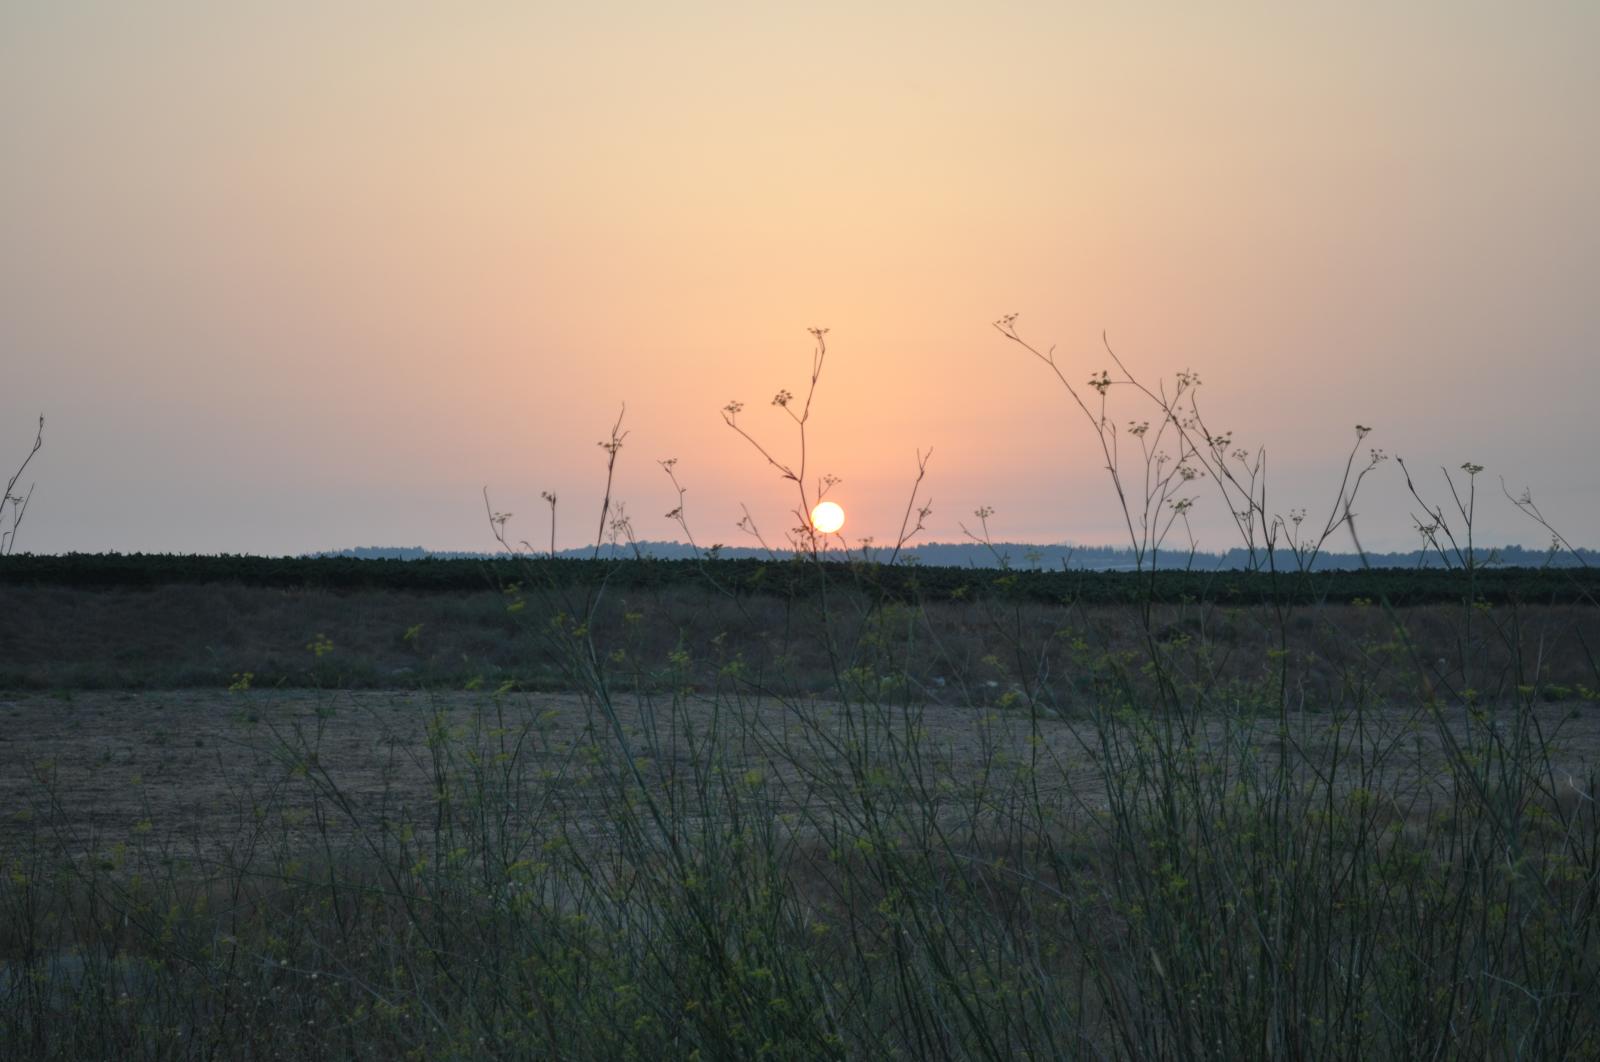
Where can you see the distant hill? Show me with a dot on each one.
(1026, 556)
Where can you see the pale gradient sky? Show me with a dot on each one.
(310, 277)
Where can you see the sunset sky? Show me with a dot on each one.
(311, 277)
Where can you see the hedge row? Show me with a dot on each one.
(1397, 586)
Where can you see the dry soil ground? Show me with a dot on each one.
(192, 772)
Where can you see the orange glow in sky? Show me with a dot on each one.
(299, 277)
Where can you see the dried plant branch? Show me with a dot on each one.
(18, 504)
(611, 446)
(806, 537)
(1525, 505)
(922, 513)
(677, 513)
(550, 496)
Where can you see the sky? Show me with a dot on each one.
(306, 276)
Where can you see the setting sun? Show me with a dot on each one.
(827, 517)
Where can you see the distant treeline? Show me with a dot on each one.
(1398, 586)
(1022, 555)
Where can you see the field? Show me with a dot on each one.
(976, 634)
(193, 764)
(629, 816)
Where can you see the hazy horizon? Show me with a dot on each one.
(290, 279)
(964, 554)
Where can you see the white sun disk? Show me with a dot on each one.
(827, 517)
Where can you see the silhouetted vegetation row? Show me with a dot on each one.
(792, 578)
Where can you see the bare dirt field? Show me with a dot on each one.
(188, 773)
